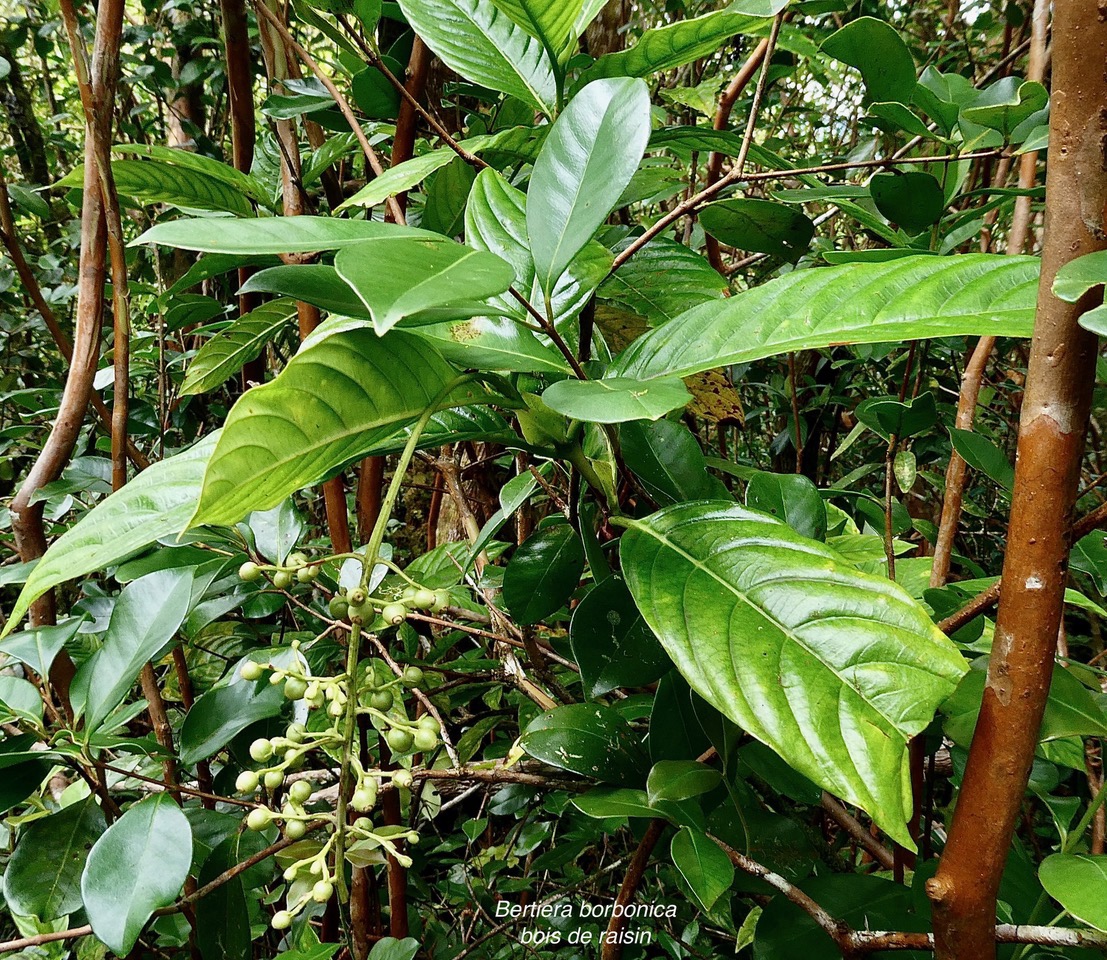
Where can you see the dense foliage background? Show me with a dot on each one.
(530, 478)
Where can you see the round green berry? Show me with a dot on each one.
(297, 560)
(307, 574)
(381, 699)
(322, 891)
(394, 613)
(273, 779)
(249, 571)
(428, 722)
(399, 740)
(413, 838)
(282, 920)
(403, 778)
(258, 818)
(360, 612)
(282, 579)
(250, 670)
(364, 799)
(363, 824)
(441, 601)
(409, 592)
(295, 733)
(261, 750)
(339, 607)
(425, 740)
(247, 782)
(355, 597)
(412, 677)
(294, 829)
(295, 688)
(423, 599)
(300, 791)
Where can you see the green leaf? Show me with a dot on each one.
(146, 616)
(1077, 882)
(604, 802)
(586, 162)
(760, 226)
(222, 917)
(588, 739)
(543, 572)
(702, 863)
(155, 504)
(941, 96)
(549, 21)
(153, 181)
(833, 669)
(198, 163)
(389, 948)
(331, 404)
(982, 454)
(911, 298)
(878, 51)
(447, 193)
(676, 44)
(136, 867)
(19, 701)
(662, 280)
(612, 644)
(221, 357)
(1077, 278)
(43, 877)
(479, 41)
(38, 646)
(680, 779)
(223, 712)
(911, 200)
(616, 400)
(272, 234)
(789, 497)
(395, 278)
(1006, 104)
(895, 116)
(890, 417)
(668, 461)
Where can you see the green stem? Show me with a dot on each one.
(353, 651)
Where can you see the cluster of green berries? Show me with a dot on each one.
(357, 607)
(298, 567)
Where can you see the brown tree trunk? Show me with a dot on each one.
(1050, 450)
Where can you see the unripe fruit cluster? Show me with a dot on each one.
(297, 568)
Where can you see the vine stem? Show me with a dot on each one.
(353, 651)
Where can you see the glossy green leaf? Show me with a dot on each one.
(1078, 277)
(941, 96)
(221, 357)
(662, 280)
(389, 948)
(19, 701)
(760, 226)
(913, 200)
(912, 298)
(38, 646)
(680, 779)
(543, 572)
(667, 459)
(702, 863)
(222, 917)
(890, 417)
(790, 497)
(332, 403)
(1005, 104)
(604, 802)
(198, 163)
(43, 878)
(893, 117)
(617, 399)
(272, 234)
(878, 51)
(20, 781)
(447, 192)
(480, 41)
(146, 617)
(982, 454)
(588, 739)
(834, 669)
(549, 21)
(154, 181)
(1078, 882)
(611, 642)
(223, 712)
(155, 504)
(395, 278)
(373, 92)
(586, 162)
(676, 44)
(137, 866)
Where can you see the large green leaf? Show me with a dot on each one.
(762, 226)
(616, 399)
(336, 399)
(225, 711)
(157, 503)
(878, 51)
(272, 234)
(242, 341)
(395, 278)
(912, 298)
(590, 739)
(705, 867)
(585, 165)
(662, 280)
(676, 44)
(154, 181)
(146, 616)
(198, 163)
(38, 646)
(480, 41)
(834, 669)
(1078, 882)
(549, 21)
(137, 866)
(43, 877)
(543, 572)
